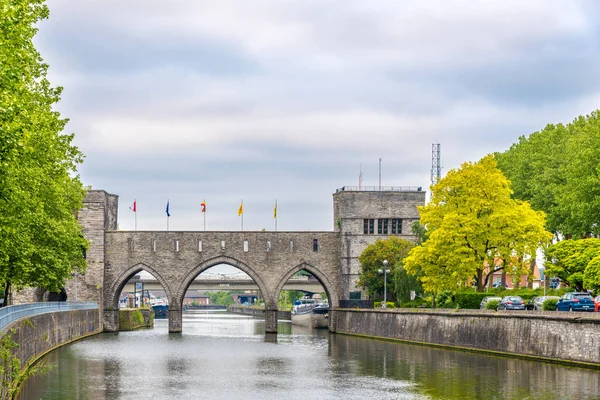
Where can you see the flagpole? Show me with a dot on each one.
(204, 215)
(167, 210)
(135, 216)
(275, 215)
(242, 206)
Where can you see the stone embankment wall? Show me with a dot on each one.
(38, 334)
(567, 337)
(281, 315)
(135, 318)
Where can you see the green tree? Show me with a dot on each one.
(221, 298)
(472, 223)
(591, 274)
(40, 191)
(558, 171)
(393, 250)
(569, 260)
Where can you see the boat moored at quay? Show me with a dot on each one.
(310, 313)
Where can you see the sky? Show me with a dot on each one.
(221, 101)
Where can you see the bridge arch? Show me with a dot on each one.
(330, 288)
(203, 266)
(112, 295)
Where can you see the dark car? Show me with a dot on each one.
(511, 303)
(487, 299)
(575, 301)
(529, 304)
(538, 302)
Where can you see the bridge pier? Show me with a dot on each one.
(332, 320)
(110, 319)
(271, 320)
(175, 320)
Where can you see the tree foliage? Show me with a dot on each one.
(221, 298)
(558, 171)
(393, 250)
(472, 223)
(40, 192)
(571, 261)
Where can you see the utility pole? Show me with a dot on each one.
(380, 174)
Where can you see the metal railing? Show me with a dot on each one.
(356, 303)
(10, 314)
(380, 189)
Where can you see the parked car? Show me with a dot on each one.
(499, 284)
(486, 300)
(575, 301)
(511, 303)
(554, 283)
(538, 302)
(597, 303)
(529, 304)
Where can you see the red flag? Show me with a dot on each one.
(203, 205)
(134, 206)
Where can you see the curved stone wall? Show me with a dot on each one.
(565, 337)
(41, 333)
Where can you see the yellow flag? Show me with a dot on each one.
(275, 210)
(241, 209)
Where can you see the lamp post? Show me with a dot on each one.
(385, 271)
(543, 277)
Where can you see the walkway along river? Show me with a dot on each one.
(226, 356)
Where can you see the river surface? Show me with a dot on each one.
(227, 356)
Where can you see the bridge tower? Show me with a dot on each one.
(99, 214)
(365, 214)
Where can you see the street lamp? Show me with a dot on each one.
(385, 271)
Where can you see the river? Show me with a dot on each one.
(227, 356)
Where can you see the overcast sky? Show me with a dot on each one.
(264, 100)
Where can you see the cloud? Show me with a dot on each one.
(264, 99)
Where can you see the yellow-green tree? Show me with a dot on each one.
(472, 223)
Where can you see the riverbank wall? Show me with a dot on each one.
(552, 336)
(37, 335)
(135, 318)
(255, 312)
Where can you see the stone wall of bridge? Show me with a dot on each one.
(176, 258)
(553, 336)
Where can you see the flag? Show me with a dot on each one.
(203, 205)
(167, 209)
(275, 210)
(241, 209)
(133, 207)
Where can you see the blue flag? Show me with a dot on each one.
(167, 209)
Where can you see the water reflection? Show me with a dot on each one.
(225, 356)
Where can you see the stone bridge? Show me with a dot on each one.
(175, 259)
(361, 216)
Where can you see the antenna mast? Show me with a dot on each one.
(436, 163)
(360, 177)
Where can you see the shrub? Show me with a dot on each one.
(449, 304)
(416, 303)
(492, 305)
(389, 304)
(470, 300)
(442, 298)
(138, 318)
(549, 305)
